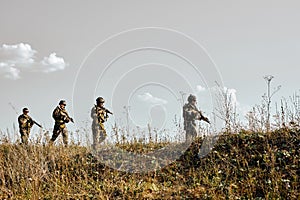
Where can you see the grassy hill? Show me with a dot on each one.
(240, 166)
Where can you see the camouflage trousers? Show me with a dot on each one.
(59, 129)
(190, 131)
(24, 135)
(99, 134)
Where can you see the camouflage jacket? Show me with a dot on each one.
(191, 113)
(25, 121)
(60, 116)
(98, 114)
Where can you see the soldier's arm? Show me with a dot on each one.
(22, 121)
(194, 114)
(184, 111)
(187, 110)
(93, 113)
(69, 118)
(30, 122)
(56, 115)
(189, 113)
(19, 120)
(65, 116)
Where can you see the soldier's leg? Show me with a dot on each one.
(187, 135)
(102, 134)
(191, 132)
(65, 136)
(188, 132)
(195, 147)
(24, 136)
(194, 132)
(56, 132)
(96, 132)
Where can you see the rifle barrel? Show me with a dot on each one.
(37, 124)
(108, 111)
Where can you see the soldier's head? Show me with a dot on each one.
(192, 99)
(25, 111)
(62, 103)
(100, 101)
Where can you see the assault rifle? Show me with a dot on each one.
(68, 117)
(107, 112)
(203, 117)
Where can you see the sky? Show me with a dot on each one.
(142, 54)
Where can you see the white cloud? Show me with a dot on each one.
(17, 54)
(239, 107)
(149, 98)
(231, 93)
(53, 63)
(226, 95)
(9, 72)
(200, 88)
(21, 57)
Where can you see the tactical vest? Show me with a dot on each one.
(25, 122)
(187, 115)
(60, 117)
(100, 113)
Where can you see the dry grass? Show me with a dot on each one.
(241, 166)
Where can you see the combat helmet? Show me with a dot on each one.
(191, 98)
(62, 102)
(100, 100)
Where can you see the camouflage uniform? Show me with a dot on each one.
(99, 116)
(25, 124)
(61, 117)
(190, 114)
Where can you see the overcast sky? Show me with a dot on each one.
(49, 48)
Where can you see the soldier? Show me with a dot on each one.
(25, 124)
(61, 117)
(99, 114)
(190, 114)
